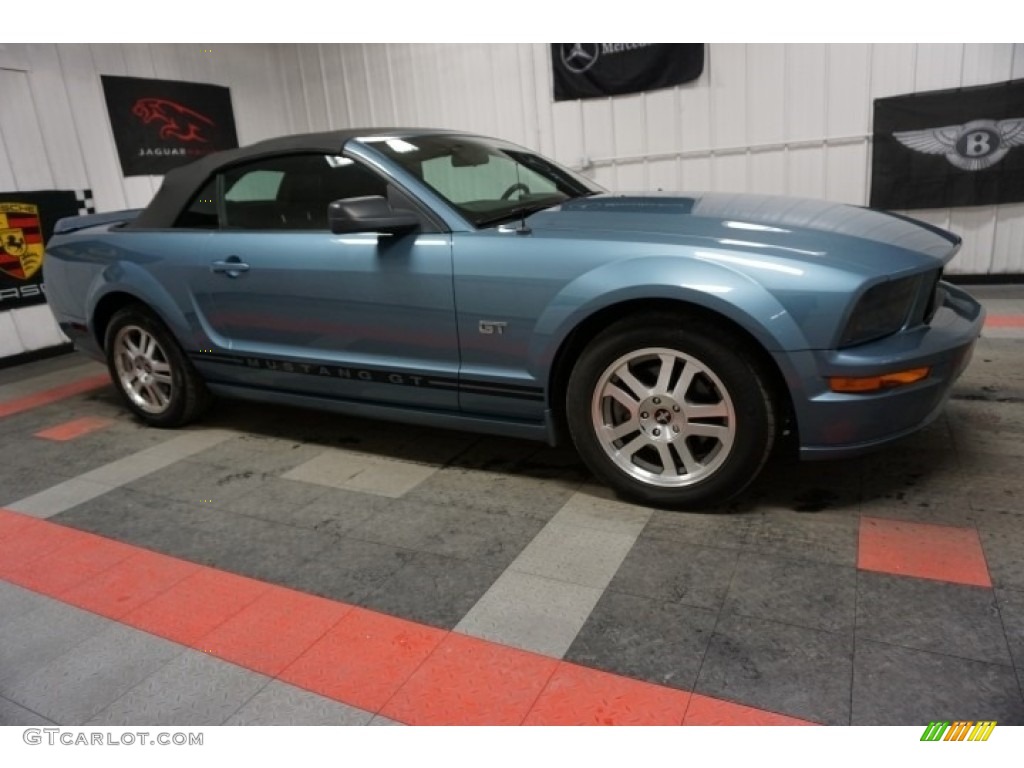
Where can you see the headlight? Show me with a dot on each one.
(881, 311)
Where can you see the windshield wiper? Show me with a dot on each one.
(518, 211)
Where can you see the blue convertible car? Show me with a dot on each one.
(446, 279)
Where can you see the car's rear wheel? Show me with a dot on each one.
(156, 380)
(671, 411)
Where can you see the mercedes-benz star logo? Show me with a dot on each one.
(579, 57)
(972, 146)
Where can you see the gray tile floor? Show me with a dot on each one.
(512, 541)
(69, 667)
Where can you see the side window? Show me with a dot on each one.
(202, 212)
(293, 191)
(255, 185)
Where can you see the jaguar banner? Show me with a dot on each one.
(941, 149)
(161, 124)
(590, 70)
(26, 223)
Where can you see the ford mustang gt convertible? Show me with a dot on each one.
(439, 278)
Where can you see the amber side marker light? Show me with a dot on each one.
(876, 383)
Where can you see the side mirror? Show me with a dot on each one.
(372, 213)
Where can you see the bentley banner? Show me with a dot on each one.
(590, 70)
(940, 149)
(26, 223)
(161, 124)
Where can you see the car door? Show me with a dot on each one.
(299, 309)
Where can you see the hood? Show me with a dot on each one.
(794, 228)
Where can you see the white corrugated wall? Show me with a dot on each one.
(55, 133)
(772, 118)
(789, 119)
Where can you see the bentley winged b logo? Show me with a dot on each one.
(972, 146)
(21, 240)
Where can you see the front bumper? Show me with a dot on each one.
(835, 425)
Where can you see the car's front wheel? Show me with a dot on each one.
(670, 411)
(156, 380)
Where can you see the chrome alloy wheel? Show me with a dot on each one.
(663, 417)
(143, 369)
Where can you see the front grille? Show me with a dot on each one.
(935, 296)
(884, 309)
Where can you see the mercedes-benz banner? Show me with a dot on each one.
(591, 70)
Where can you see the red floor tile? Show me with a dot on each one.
(196, 605)
(467, 681)
(129, 584)
(578, 695)
(940, 552)
(705, 710)
(364, 659)
(274, 630)
(69, 430)
(410, 672)
(68, 566)
(11, 522)
(31, 541)
(37, 399)
(1004, 321)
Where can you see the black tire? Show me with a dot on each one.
(724, 379)
(179, 383)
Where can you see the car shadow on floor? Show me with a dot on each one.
(917, 466)
(918, 477)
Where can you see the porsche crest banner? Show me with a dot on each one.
(590, 70)
(941, 149)
(161, 124)
(26, 223)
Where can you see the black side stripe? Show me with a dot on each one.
(214, 357)
(498, 391)
(373, 374)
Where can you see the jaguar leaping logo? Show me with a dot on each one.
(972, 146)
(579, 57)
(176, 121)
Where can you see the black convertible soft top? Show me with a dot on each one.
(182, 184)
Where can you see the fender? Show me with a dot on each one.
(720, 289)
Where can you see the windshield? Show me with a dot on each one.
(488, 181)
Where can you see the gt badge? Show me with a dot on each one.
(492, 327)
(21, 240)
(972, 146)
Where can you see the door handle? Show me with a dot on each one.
(232, 266)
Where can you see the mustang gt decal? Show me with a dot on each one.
(374, 375)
